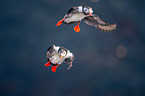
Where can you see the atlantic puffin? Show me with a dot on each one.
(76, 14)
(56, 55)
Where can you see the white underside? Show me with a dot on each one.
(56, 58)
(75, 18)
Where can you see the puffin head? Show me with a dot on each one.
(62, 53)
(85, 9)
(88, 10)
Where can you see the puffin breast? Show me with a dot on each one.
(75, 18)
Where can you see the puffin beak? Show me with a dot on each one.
(60, 56)
(90, 13)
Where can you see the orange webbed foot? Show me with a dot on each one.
(60, 22)
(47, 64)
(77, 28)
(54, 68)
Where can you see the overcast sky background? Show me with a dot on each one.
(106, 63)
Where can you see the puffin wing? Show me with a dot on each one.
(95, 21)
(69, 61)
(50, 52)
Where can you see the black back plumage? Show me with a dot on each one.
(70, 10)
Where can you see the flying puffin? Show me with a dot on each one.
(76, 14)
(56, 55)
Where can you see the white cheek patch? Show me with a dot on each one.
(80, 8)
(64, 54)
(86, 10)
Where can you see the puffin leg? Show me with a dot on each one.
(54, 68)
(60, 22)
(77, 28)
(48, 64)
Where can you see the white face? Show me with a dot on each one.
(62, 53)
(88, 10)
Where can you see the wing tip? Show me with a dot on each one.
(107, 28)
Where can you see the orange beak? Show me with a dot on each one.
(60, 56)
(90, 13)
